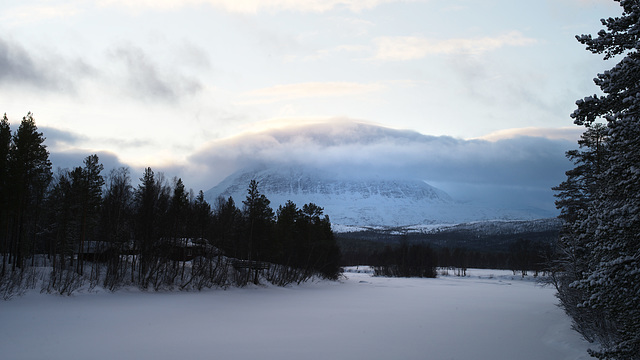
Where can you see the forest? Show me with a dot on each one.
(78, 227)
(457, 248)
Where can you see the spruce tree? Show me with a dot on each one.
(202, 216)
(227, 227)
(29, 175)
(287, 234)
(117, 225)
(62, 222)
(178, 210)
(575, 196)
(259, 217)
(146, 198)
(117, 212)
(324, 253)
(89, 184)
(5, 145)
(610, 226)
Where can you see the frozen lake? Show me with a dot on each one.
(487, 315)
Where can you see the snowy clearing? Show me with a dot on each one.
(489, 314)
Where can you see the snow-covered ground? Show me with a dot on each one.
(489, 314)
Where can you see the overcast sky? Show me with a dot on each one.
(181, 85)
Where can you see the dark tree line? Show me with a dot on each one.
(418, 259)
(81, 227)
(406, 261)
(297, 242)
(598, 263)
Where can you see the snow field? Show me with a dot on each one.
(487, 315)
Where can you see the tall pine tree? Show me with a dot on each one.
(609, 228)
(29, 175)
(89, 185)
(575, 195)
(5, 145)
(259, 217)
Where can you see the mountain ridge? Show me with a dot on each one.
(362, 200)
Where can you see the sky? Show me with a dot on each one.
(197, 88)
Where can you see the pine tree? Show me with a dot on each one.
(323, 251)
(610, 226)
(227, 227)
(117, 225)
(29, 175)
(117, 209)
(304, 241)
(5, 145)
(146, 198)
(62, 221)
(88, 182)
(259, 217)
(202, 216)
(177, 216)
(287, 234)
(575, 196)
(178, 210)
(152, 201)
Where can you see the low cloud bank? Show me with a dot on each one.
(516, 171)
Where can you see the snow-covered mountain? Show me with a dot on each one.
(362, 200)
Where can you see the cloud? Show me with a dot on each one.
(589, 3)
(34, 13)
(506, 168)
(354, 26)
(20, 67)
(131, 68)
(58, 139)
(340, 49)
(17, 65)
(565, 133)
(72, 147)
(256, 6)
(403, 48)
(145, 79)
(514, 168)
(73, 158)
(67, 150)
(307, 90)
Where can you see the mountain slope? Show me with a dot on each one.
(361, 200)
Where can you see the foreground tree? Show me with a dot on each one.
(608, 228)
(5, 146)
(29, 175)
(575, 195)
